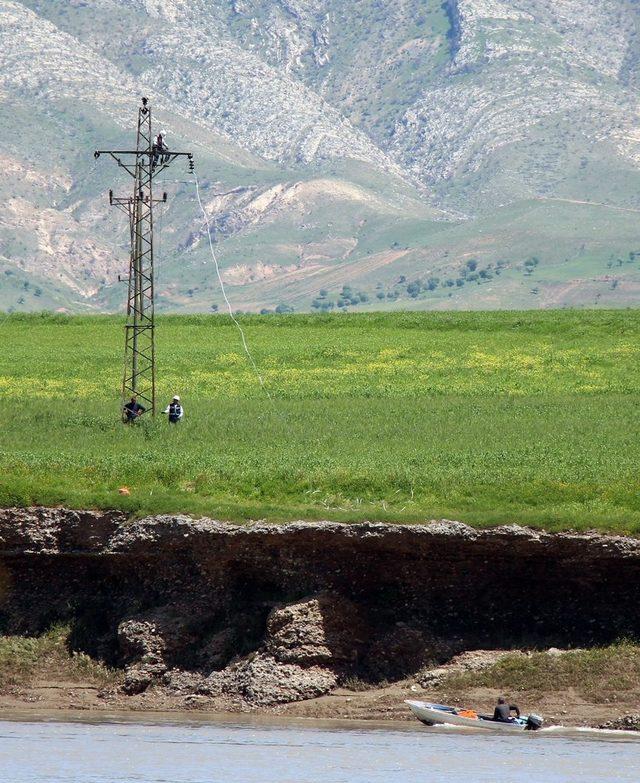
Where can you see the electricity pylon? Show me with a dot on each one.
(143, 164)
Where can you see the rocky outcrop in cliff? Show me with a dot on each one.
(276, 613)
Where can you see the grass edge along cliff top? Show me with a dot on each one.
(484, 417)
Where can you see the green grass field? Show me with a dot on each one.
(486, 418)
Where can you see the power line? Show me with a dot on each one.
(224, 292)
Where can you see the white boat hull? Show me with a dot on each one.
(429, 714)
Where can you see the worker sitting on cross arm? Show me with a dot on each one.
(160, 150)
(174, 410)
(132, 411)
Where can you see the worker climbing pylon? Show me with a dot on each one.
(160, 150)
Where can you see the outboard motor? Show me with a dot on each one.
(534, 722)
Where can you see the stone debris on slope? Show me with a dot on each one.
(625, 723)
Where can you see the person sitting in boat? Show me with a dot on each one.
(503, 711)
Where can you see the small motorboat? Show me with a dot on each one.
(433, 714)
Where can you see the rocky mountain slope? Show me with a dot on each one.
(471, 153)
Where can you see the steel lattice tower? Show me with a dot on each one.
(143, 164)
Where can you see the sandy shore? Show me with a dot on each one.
(379, 704)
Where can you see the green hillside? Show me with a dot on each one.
(482, 417)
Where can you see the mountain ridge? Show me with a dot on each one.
(365, 148)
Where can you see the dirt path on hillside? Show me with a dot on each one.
(587, 203)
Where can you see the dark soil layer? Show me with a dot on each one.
(268, 615)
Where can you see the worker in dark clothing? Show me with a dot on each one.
(132, 411)
(160, 150)
(503, 711)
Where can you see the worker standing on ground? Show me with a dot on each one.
(174, 410)
(132, 411)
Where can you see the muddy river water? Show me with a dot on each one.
(224, 750)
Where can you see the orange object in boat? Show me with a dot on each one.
(468, 714)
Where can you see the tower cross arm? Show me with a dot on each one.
(173, 154)
(166, 157)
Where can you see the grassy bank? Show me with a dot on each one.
(598, 675)
(483, 417)
(25, 660)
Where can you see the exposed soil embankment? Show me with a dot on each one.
(270, 614)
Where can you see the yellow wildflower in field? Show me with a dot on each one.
(229, 360)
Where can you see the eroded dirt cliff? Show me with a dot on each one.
(269, 614)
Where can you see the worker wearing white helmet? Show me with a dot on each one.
(174, 410)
